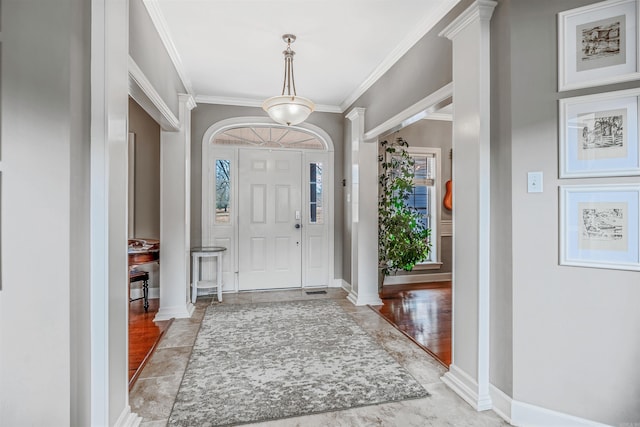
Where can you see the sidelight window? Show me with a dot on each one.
(223, 191)
(315, 193)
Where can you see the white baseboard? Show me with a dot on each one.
(128, 418)
(527, 415)
(353, 297)
(362, 299)
(154, 293)
(501, 403)
(373, 299)
(176, 312)
(346, 286)
(416, 278)
(467, 388)
(337, 283)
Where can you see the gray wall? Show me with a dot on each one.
(576, 330)
(501, 327)
(205, 115)
(147, 172)
(425, 68)
(79, 74)
(562, 338)
(44, 312)
(147, 50)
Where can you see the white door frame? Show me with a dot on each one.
(227, 124)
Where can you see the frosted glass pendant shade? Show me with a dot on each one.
(288, 109)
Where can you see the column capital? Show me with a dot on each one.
(188, 100)
(481, 10)
(355, 113)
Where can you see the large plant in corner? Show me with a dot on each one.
(403, 238)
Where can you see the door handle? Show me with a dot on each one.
(298, 226)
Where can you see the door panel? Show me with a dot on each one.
(316, 223)
(270, 253)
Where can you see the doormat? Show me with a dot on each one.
(264, 361)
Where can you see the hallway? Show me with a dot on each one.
(153, 395)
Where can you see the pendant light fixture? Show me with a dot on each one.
(288, 108)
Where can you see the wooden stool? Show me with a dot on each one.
(140, 276)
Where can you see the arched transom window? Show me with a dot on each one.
(269, 136)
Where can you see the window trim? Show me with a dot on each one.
(436, 262)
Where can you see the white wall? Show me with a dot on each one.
(44, 377)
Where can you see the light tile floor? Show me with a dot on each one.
(154, 393)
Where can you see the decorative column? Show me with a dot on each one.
(469, 372)
(175, 216)
(109, 301)
(364, 221)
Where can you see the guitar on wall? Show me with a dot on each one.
(448, 197)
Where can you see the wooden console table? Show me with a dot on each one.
(142, 251)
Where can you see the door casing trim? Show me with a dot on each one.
(322, 135)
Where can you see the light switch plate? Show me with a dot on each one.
(534, 182)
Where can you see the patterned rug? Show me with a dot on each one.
(257, 362)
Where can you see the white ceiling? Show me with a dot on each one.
(230, 51)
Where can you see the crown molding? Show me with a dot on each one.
(407, 43)
(247, 102)
(228, 100)
(420, 30)
(157, 17)
(143, 92)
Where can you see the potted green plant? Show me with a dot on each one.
(403, 238)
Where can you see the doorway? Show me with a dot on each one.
(419, 303)
(267, 196)
(143, 290)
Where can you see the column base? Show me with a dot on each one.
(177, 312)
(357, 299)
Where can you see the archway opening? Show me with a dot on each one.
(267, 196)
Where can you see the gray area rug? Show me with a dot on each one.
(257, 362)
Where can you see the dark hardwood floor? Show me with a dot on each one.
(422, 311)
(144, 335)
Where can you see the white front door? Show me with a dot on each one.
(269, 219)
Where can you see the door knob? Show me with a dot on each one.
(298, 225)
